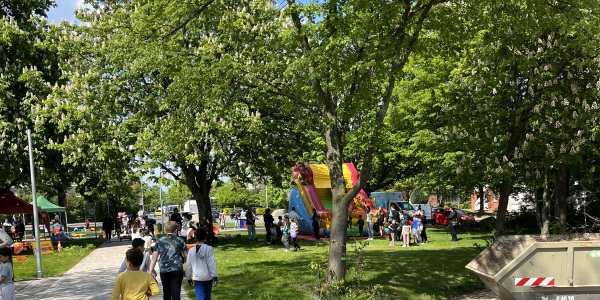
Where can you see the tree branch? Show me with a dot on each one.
(22, 175)
(193, 16)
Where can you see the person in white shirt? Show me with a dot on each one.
(201, 267)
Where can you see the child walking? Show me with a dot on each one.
(201, 267)
(417, 230)
(393, 230)
(133, 283)
(6, 274)
(294, 233)
(285, 233)
(406, 233)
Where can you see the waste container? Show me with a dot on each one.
(543, 267)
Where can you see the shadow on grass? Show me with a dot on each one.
(256, 270)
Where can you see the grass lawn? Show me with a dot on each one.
(58, 263)
(255, 270)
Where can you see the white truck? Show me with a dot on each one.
(191, 207)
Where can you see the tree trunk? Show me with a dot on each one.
(199, 182)
(545, 214)
(336, 268)
(482, 196)
(560, 193)
(337, 244)
(505, 187)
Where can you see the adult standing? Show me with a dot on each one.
(5, 239)
(176, 217)
(453, 223)
(107, 226)
(395, 214)
(117, 228)
(268, 224)
(370, 223)
(381, 220)
(315, 223)
(170, 251)
(20, 228)
(222, 219)
(250, 223)
(295, 215)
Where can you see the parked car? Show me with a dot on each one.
(254, 208)
(215, 214)
(440, 216)
(464, 216)
(237, 211)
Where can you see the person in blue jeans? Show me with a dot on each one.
(170, 251)
(201, 267)
(250, 223)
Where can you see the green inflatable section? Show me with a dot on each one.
(325, 197)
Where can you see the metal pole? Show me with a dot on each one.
(95, 220)
(267, 194)
(36, 227)
(162, 211)
(142, 189)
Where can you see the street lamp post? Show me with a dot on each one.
(36, 227)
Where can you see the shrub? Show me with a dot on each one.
(260, 211)
(227, 211)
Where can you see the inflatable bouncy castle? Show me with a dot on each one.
(313, 190)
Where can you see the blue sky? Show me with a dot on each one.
(64, 10)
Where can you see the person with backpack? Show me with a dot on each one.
(170, 251)
(201, 267)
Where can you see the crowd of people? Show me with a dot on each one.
(135, 278)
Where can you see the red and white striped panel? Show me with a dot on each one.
(536, 281)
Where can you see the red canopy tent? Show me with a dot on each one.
(11, 204)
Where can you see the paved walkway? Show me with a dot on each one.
(92, 278)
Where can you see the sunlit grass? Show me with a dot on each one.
(59, 262)
(255, 270)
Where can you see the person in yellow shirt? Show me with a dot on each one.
(134, 284)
